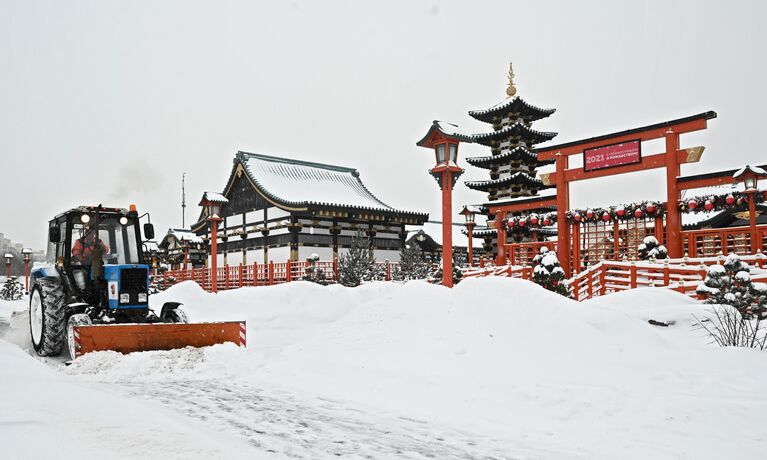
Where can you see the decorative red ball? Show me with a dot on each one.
(708, 206)
(692, 204)
(606, 216)
(651, 208)
(547, 221)
(522, 223)
(638, 213)
(620, 212)
(512, 223)
(589, 214)
(730, 200)
(577, 217)
(534, 220)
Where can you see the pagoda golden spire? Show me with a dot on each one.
(511, 90)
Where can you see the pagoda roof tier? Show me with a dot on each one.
(518, 178)
(517, 153)
(516, 130)
(513, 105)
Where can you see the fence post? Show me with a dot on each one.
(255, 273)
(603, 279)
(388, 271)
(666, 274)
(335, 269)
(590, 283)
(271, 273)
(226, 277)
(288, 272)
(633, 271)
(576, 289)
(242, 276)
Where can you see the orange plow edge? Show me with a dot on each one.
(127, 338)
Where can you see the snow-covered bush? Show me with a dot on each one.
(313, 272)
(436, 276)
(730, 284)
(651, 249)
(12, 289)
(727, 327)
(358, 264)
(549, 273)
(412, 264)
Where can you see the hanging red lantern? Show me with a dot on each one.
(589, 214)
(730, 200)
(708, 205)
(606, 216)
(534, 220)
(620, 212)
(522, 222)
(577, 217)
(651, 208)
(638, 213)
(546, 221)
(512, 223)
(692, 204)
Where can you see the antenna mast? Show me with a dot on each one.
(183, 200)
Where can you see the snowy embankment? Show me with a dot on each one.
(495, 367)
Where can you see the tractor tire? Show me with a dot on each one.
(79, 319)
(177, 315)
(47, 317)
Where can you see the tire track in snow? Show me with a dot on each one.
(299, 430)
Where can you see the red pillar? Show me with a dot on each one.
(563, 204)
(186, 257)
(447, 229)
(7, 268)
(470, 228)
(500, 232)
(214, 256)
(673, 216)
(756, 240)
(26, 276)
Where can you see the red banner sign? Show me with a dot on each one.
(608, 156)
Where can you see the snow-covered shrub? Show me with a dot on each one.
(313, 272)
(730, 284)
(651, 249)
(727, 327)
(12, 289)
(412, 264)
(436, 276)
(358, 264)
(549, 273)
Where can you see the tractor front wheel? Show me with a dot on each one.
(73, 343)
(177, 315)
(47, 317)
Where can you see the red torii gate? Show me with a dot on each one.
(672, 159)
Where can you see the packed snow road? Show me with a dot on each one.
(493, 369)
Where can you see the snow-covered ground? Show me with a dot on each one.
(495, 368)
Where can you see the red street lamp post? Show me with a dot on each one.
(27, 257)
(8, 260)
(469, 214)
(212, 203)
(750, 176)
(444, 139)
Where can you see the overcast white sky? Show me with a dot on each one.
(109, 102)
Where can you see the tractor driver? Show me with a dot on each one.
(85, 248)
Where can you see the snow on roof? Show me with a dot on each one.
(433, 228)
(302, 182)
(214, 197)
(448, 128)
(754, 169)
(150, 245)
(184, 234)
(713, 190)
(8, 255)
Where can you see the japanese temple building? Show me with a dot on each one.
(512, 164)
(279, 208)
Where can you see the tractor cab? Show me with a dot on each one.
(97, 253)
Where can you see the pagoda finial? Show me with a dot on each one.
(511, 90)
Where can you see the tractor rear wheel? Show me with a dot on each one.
(47, 317)
(177, 315)
(79, 319)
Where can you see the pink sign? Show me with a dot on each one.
(612, 155)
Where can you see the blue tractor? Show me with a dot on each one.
(95, 275)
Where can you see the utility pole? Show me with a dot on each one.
(183, 200)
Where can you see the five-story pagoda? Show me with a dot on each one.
(513, 162)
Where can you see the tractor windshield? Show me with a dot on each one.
(117, 242)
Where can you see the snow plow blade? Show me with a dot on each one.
(127, 338)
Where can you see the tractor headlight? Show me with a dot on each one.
(124, 297)
(85, 218)
(123, 220)
(142, 297)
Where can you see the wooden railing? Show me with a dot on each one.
(511, 271)
(523, 253)
(711, 242)
(237, 276)
(682, 275)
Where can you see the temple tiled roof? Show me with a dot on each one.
(513, 105)
(519, 178)
(516, 130)
(518, 153)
